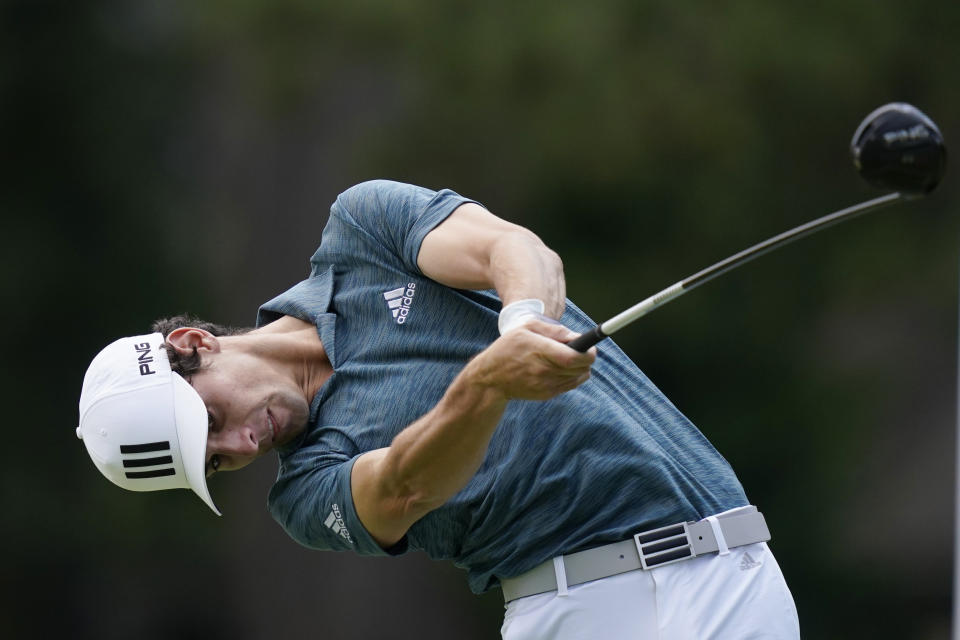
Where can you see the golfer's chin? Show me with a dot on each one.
(290, 423)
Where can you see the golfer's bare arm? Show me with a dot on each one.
(433, 458)
(474, 249)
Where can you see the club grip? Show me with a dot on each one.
(587, 339)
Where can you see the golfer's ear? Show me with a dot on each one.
(186, 339)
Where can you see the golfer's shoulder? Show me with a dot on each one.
(374, 194)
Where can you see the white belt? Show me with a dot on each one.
(646, 550)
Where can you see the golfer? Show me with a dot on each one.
(419, 392)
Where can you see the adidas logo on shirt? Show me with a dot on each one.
(335, 523)
(399, 301)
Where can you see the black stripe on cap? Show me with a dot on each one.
(146, 447)
(147, 462)
(156, 473)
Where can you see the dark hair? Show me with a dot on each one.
(188, 365)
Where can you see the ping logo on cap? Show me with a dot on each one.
(163, 463)
(144, 358)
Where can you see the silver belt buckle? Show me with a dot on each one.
(665, 545)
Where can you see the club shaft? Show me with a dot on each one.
(642, 308)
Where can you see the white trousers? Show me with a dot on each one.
(737, 596)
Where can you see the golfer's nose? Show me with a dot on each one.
(240, 443)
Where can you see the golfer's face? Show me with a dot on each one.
(250, 410)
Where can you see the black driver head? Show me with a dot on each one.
(898, 147)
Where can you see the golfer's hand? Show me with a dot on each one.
(533, 362)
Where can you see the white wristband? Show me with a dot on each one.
(516, 313)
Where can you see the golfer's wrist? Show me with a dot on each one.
(516, 313)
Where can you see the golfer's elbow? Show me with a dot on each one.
(406, 493)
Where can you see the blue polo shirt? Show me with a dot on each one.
(589, 467)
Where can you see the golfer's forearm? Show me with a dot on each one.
(521, 266)
(435, 457)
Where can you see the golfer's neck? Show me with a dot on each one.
(294, 346)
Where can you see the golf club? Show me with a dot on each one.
(895, 147)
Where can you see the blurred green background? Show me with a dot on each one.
(164, 155)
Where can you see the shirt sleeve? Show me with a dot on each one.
(312, 501)
(396, 216)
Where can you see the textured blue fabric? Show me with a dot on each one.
(589, 467)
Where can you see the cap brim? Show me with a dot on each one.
(191, 419)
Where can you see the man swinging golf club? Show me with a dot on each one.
(422, 392)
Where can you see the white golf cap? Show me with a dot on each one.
(144, 426)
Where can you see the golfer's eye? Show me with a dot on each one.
(213, 465)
